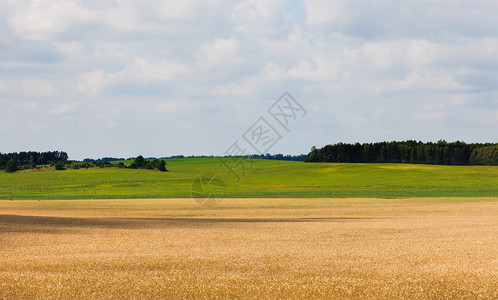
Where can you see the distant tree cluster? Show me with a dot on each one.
(141, 163)
(440, 153)
(300, 157)
(57, 160)
(11, 162)
(83, 165)
(107, 162)
(88, 164)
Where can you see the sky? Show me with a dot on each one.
(158, 78)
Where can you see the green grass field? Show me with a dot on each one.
(267, 179)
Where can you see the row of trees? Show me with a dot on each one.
(31, 157)
(440, 153)
(300, 157)
(138, 163)
(11, 162)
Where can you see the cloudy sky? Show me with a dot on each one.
(121, 78)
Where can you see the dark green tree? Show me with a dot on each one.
(313, 155)
(11, 166)
(140, 162)
(160, 165)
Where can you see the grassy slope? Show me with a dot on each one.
(266, 179)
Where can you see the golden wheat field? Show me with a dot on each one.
(250, 248)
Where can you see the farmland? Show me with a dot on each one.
(265, 179)
(286, 230)
(250, 248)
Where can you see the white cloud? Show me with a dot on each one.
(152, 68)
(220, 51)
(4, 88)
(26, 106)
(38, 87)
(494, 116)
(72, 48)
(173, 106)
(323, 12)
(259, 17)
(64, 108)
(35, 127)
(95, 82)
(438, 115)
(386, 19)
(42, 19)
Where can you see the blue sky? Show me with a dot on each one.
(159, 78)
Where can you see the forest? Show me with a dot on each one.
(440, 153)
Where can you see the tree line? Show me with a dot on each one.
(440, 153)
(58, 160)
(11, 162)
(31, 157)
(300, 157)
(138, 163)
